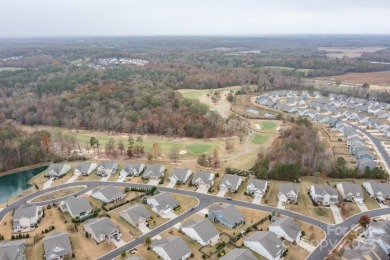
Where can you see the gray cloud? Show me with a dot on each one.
(191, 17)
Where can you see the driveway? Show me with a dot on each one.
(336, 214)
(153, 182)
(302, 243)
(169, 215)
(221, 193)
(363, 207)
(72, 179)
(171, 185)
(119, 243)
(47, 184)
(257, 200)
(203, 212)
(202, 189)
(105, 178)
(281, 205)
(121, 179)
(382, 206)
(143, 228)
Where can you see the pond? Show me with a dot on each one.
(15, 183)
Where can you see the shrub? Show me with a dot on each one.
(123, 254)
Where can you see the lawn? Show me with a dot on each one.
(196, 93)
(260, 139)
(58, 194)
(198, 148)
(271, 195)
(9, 69)
(295, 252)
(268, 126)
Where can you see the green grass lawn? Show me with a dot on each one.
(194, 94)
(268, 126)
(198, 148)
(9, 69)
(260, 139)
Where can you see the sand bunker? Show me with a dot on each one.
(183, 152)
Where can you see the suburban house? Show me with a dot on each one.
(364, 154)
(350, 191)
(171, 248)
(101, 229)
(201, 230)
(26, 218)
(266, 244)
(57, 246)
(85, 168)
(230, 182)
(288, 192)
(76, 207)
(378, 190)
(355, 139)
(364, 251)
(57, 170)
(378, 232)
(353, 149)
(203, 179)
(286, 228)
(154, 171)
(180, 175)
(12, 250)
(108, 194)
(136, 215)
(227, 215)
(132, 169)
(324, 195)
(107, 168)
(239, 254)
(363, 163)
(162, 203)
(256, 187)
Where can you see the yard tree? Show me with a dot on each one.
(216, 161)
(148, 240)
(364, 220)
(174, 153)
(156, 150)
(121, 146)
(131, 142)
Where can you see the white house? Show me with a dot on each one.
(324, 195)
(101, 229)
(350, 191)
(230, 182)
(256, 187)
(132, 169)
(108, 194)
(57, 170)
(171, 248)
(288, 193)
(181, 175)
(26, 218)
(201, 230)
(107, 168)
(286, 228)
(154, 171)
(203, 179)
(266, 244)
(85, 168)
(76, 207)
(378, 190)
(162, 203)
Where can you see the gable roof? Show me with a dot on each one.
(230, 181)
(57, 168)
(12, 250)
(202, 227)
(229, 212)
(269, 241)
(174, 246)
(323, 190)
(77, 205)
(27, 212)
(164, 200)
(352, 188)
(57, 245)
(239, 254)
(289, 226)
(365, 251)
(205, 176)
(154, 169)
(134, 213)
(378, 187)
(180, 173)
(132, 166)
(100, 226)
(110, 192)
(258, 184)
(84, 167)
(288, 187)
(109, 165)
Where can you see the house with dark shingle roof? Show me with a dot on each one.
(227, 215)
(57, 246)
(266, 244)
(171, 248)
(201, 230)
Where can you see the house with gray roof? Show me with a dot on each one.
(324, 195)
(136, 215)
(378, 190)
(171, 248)
(102, 229)
(132, 169)
(286, 228)
(355, 148)
(162, 203)
(57, 170)
(364, 251)
(25, 219)
(201, 230)
(230, 182)
(76, 207)
(266, 244)
(108, 194)
(85, 168)
(203, 178)
(363, 163)
(180, 175)
(333, 121)
(154, 171)
(134, 258)
(288, 192)
(12, 250)
(107, 168)
(350, 191)
(227, 215)
(256, 187)
(57, 246)
(378, 232)
(364, 154)
(239, 254)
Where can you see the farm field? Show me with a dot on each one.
(196, 93)
(9, 69)
(340, 52)
(377, 80)
(305, 71)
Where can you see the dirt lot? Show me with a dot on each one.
(377, 80)
(340, 52)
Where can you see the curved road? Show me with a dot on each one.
(334, 233)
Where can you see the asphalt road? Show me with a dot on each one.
(334, 232)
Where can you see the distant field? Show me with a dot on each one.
(9, 69)
(196, 93)
(338, 52)
(305, 71)
(373, 78)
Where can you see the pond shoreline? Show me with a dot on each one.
(24, 168)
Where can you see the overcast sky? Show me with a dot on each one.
(26, 18)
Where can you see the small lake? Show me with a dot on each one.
(15, 183)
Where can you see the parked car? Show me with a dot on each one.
(229, 198)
